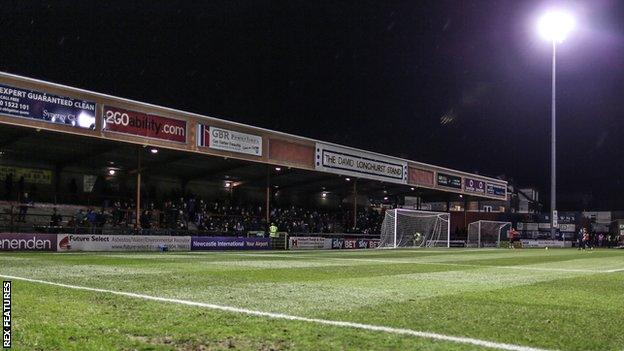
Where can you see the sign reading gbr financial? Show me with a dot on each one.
(229, 140)
(336, 159)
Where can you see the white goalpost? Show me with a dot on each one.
(486, 233)
(413, 228)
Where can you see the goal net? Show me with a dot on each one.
(487, 233)
(412, 228)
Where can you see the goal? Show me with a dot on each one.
(412, 228)
(487, 233)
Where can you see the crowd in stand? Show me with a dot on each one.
(197, 215)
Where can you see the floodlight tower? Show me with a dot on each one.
(554, 26)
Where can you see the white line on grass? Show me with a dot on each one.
(370, 327)
(615, 270)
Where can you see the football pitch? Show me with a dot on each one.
(425, 299)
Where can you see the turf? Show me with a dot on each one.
(552, 299)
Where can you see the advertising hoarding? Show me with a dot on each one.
(474, 185)
(84, 242)
(141, 124)
(545, 243)
(349, 243)
(27, 242)
(496, 190)
(309, 242)
(229, 140)
(339, 160)
(31, 175)
(449, 181)
(41, 106)
(229, 243)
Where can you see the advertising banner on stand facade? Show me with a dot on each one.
(449, 181)
(229, 243)
(41, 106)
(229, 140)
(85, 242)
(141, 124)
(341, 160)
(474, 185)
(27, 242)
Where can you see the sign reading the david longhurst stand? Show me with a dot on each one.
(141, 124)
(449, 181)
(496, 190)
(229, 140)
(474, 185)
(336, 159)
(30, 104)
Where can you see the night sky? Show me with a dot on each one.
(461, 84)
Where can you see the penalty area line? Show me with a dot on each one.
(352, 325)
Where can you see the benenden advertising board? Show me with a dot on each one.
(309, 243)
(82, 242)
(27, 242)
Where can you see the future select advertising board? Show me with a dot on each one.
(145, 125)
(340, 160)
(229, 140)
(41, 106)
(229, 243)
(27, 242)
(84, 242)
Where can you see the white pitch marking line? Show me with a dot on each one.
(370, 327)
(615, 270)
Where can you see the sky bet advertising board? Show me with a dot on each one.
(30, 104)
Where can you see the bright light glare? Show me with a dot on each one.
(85, 120)
(555, 25)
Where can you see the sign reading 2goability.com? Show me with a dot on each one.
(6, 314)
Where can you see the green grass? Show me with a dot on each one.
(552, 299)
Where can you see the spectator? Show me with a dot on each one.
(55, 220)
(25, 202)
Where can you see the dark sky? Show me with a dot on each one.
(462, 84)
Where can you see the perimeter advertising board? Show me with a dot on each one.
(546, 243)
(474, 185)
(41, 106)
(346, 243)
(141, 124)
(229, 140)
(27, 242)
(71, 242)
(309, 243)
(229, 243)
(340, 160)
